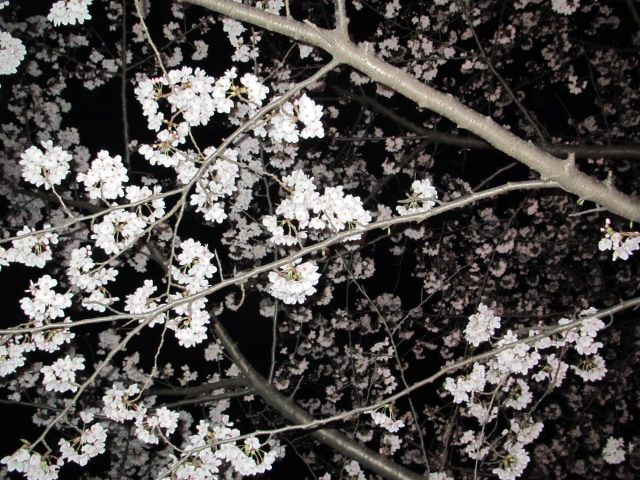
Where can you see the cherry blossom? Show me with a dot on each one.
(481, 326)
(105, 177)
(46, 167)
(89, 444)
(614, 451)
(512, 465)
(294, 282)
(386, 422)
(61, 375)
(12, 52)
(69, 12)
(422, 198)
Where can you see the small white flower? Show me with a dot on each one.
(61, 375)
(88, 445)
(32, 464)
(481, 326)
(565, 7)
(614, 451)
(386, 422)
(105, 177)
(591, 369)
(118, 405)
(512, 465)
(294, 282)
(422, 198)
(69, 12)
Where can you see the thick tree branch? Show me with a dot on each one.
(626, 151)
(453, 367)
(292, 412)
(342, 21)
(210, 398)
(222, 384)
(338, 44)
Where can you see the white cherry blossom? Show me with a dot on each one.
(69, 12)
(105, 177)
(294, 282)
(12, 52)
(61, 375)
(47, 167)
(422, 199)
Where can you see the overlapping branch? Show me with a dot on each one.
(305, 421)
(338, 44)
(339, 237)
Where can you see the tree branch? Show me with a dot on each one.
(221, 384)
(292, 412)
(342, 21)
(342, 49)
(320, 422)
(627, 151)
(337, 238)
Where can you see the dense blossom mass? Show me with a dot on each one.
(69, 12)
(320, 240)
(12, 51)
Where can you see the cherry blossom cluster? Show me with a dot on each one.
(305, 209)
(284, 127)
(46, 167)
(149, 428)
(513, 462)
(212, 445)
(121, 228)
(117, 231)
(385, 421)
(614, 451)
(120, 405)
(105, 177)
(196, 97)
(14, 348)
(422, 198)
(565, 7)
(90, 443)
(119, 402)
(30, 249)
(623, 244)
(12, 357)
(12, 52)
(61, 375)
(481, 326)
(91, 279)
(45, 304)
(69, 12)
(217, 182)
(294, 282)
(192, 90)
(141, 302)
(190, 321)
(507, 373)
(33, 465)
(195, 266)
